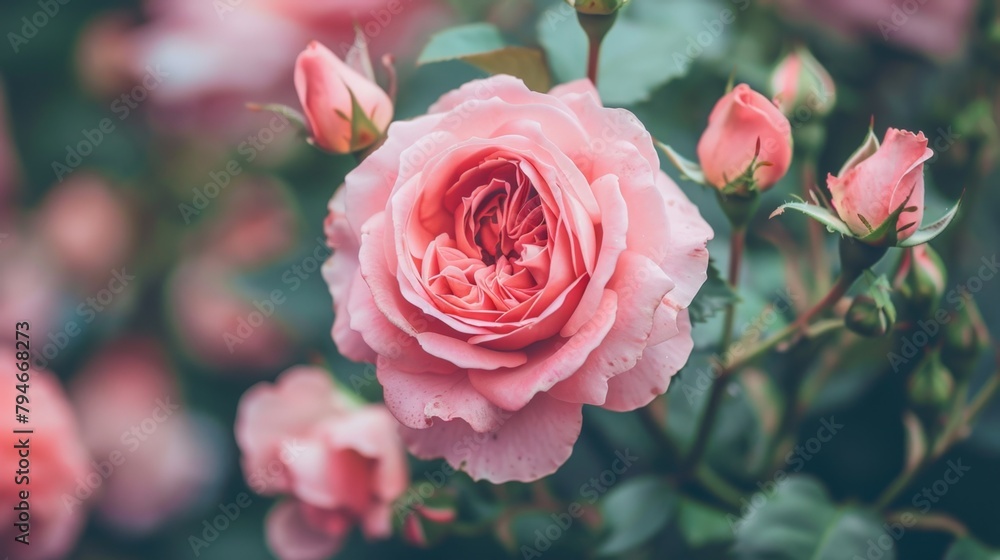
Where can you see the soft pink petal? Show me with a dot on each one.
(651, 375)
(532, 443)
(416, 399)
(272, 417)
(291, 537)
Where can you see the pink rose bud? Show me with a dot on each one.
(802, 86)
(880, 182)
(345, 109)
(748, 140)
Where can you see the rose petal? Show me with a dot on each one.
(532, 443)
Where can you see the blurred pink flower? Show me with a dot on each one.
(88, 227)
(155, 460)
(936, 28)
(57, 458)
(223, 326)
(340, 463)
(31, 286)
(257, 222)
(219, 56)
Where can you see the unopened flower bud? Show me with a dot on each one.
(963, 340)
(921, 279)
(872, 313)
(344, 107)
(801, 86)
(747, 145)
(597, 7)
(866, 318)
(931, 385)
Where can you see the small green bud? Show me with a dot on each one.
(921, 279)
(931, 385)
(866, 318)
(597, 7)
(963, 341)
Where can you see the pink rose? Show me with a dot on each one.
(506, 259)
(346, 110)
(877, 180)
(740, 121)
(58, 462)
(165, 472)
(339, 463)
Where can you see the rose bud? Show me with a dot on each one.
(872, 313)
(879, 193)
(931, 385)
(801, 83)
(345, 109)
(965, 338)
(921, 279)
(747, 146)
(338, 463)
(866, 318)
(597, 7)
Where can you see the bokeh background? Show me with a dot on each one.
(128, 159)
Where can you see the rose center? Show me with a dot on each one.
(495, 256)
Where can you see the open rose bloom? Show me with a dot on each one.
(507, 259)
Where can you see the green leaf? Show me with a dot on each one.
(798, 521)
(714, 296)
(296, 117)
(818, 213)
(458, 42)
(649, 45)
(482, 46)
(703, 525)
(969, 549)
(929, 233)
(689, 169)
(635, 511)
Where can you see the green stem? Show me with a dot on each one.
(930, 522)
(718, 487)
(961, 419)
(708, 419)
(596, 27)
(736, 247)
(593, 61)
(820, 263)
